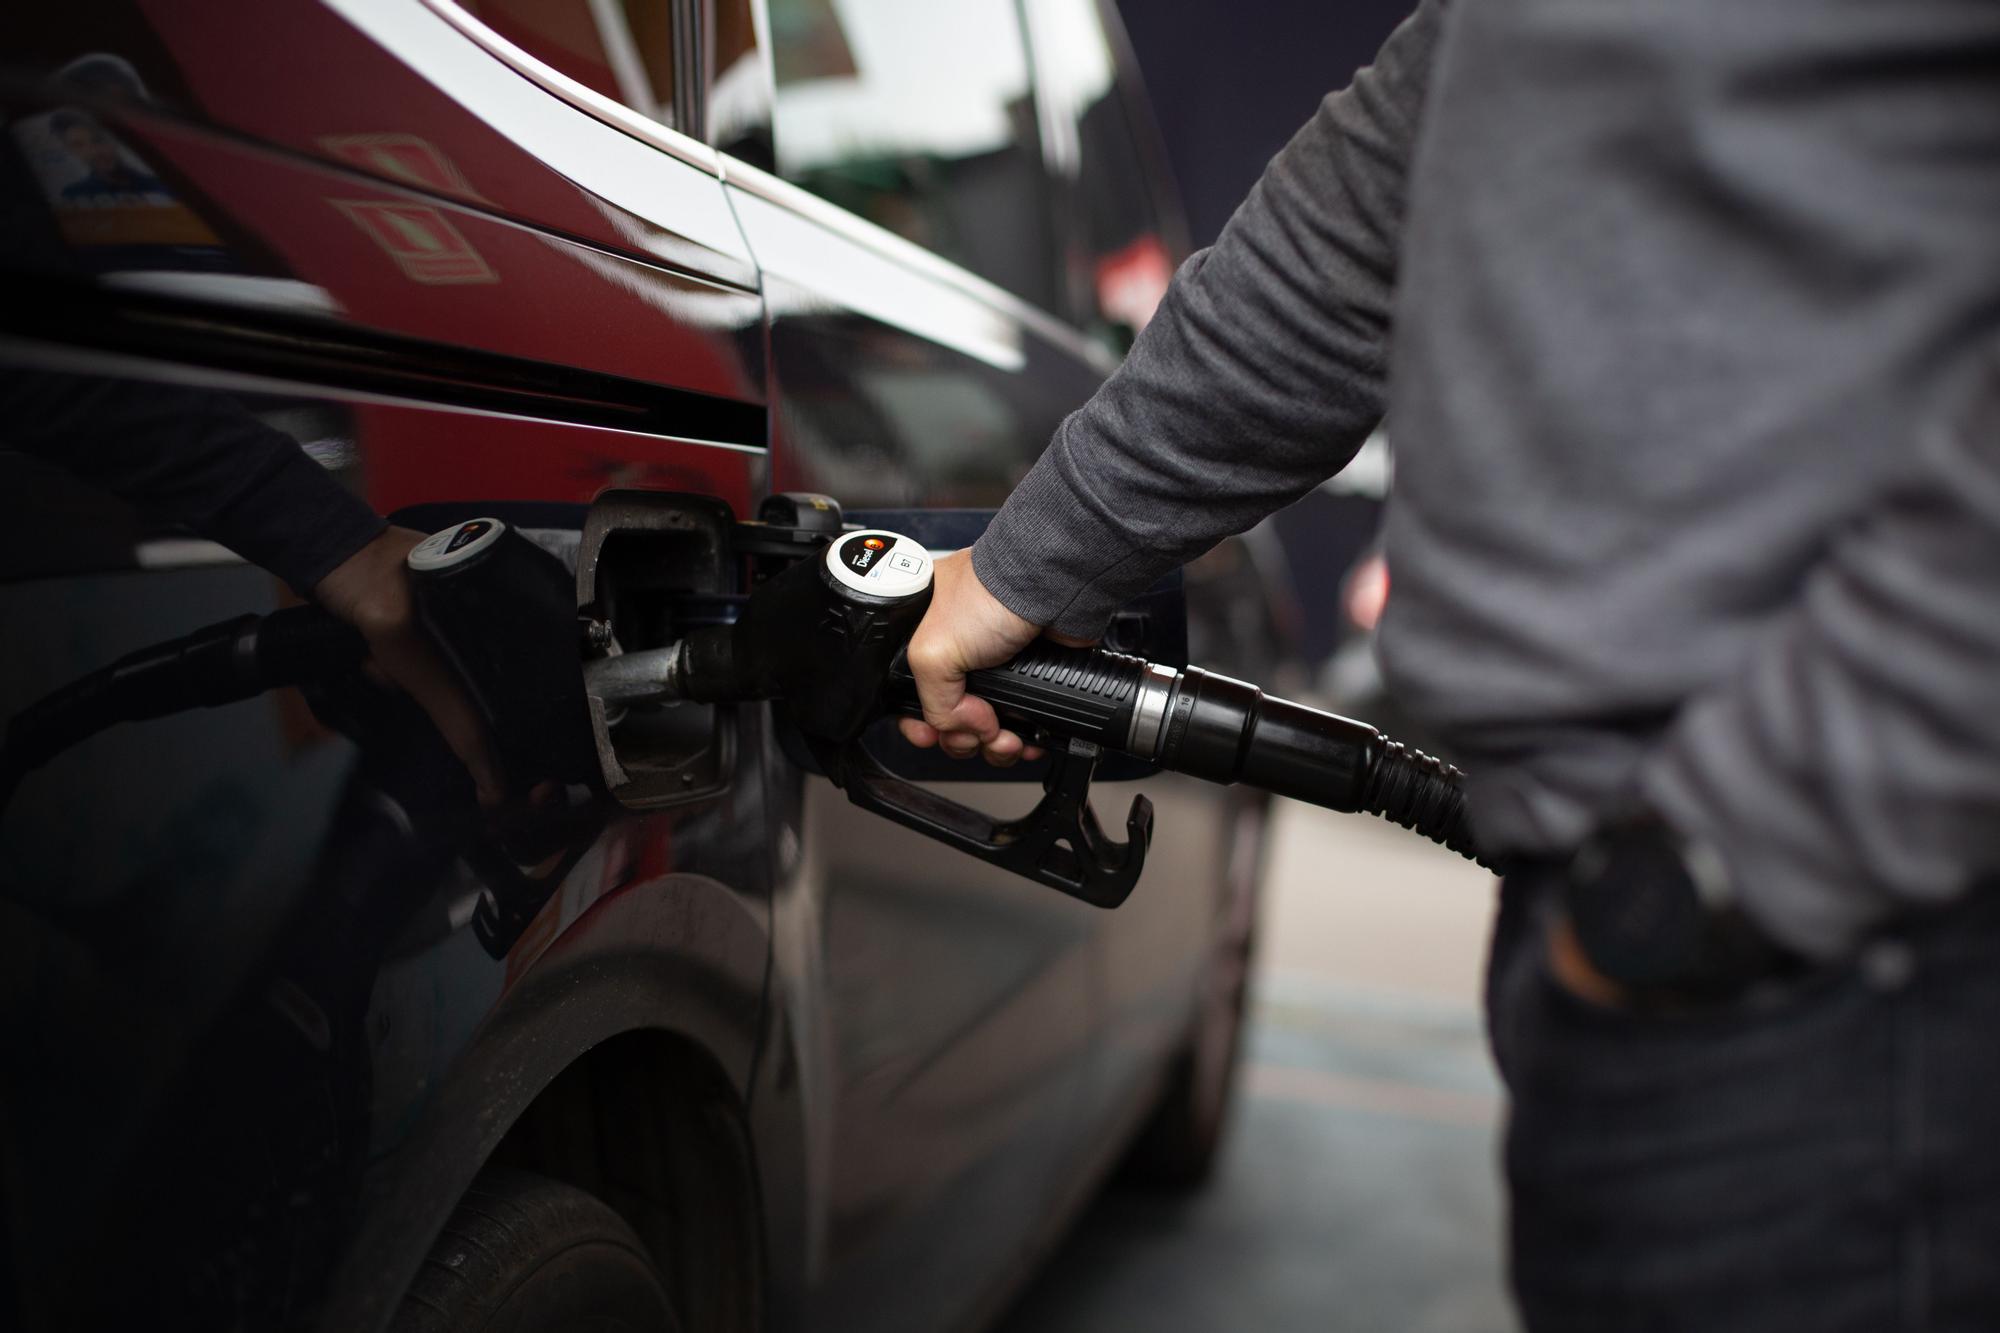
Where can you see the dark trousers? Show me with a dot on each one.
(1825, 1158)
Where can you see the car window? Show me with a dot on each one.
(920, 117)
(738, 103)
(623, 49)
(1120, 252)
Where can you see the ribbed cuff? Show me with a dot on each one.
(299, 523)
(1049, 558)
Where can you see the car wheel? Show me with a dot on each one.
(523, 1254)
(1179, 1144)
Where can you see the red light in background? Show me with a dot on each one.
(1368, 592)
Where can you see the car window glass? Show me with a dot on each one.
(623, 49)
(738, 105)
(918, 116)
(1119, 258)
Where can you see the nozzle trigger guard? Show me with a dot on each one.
(1059, 843)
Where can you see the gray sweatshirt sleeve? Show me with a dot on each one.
(1848, 770)
(1259, 377)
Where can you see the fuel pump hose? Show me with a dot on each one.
(1223, 730)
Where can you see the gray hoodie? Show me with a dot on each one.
(1683, 316)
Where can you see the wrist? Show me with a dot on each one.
(1032, 602)
(369, 589)
(993, 606)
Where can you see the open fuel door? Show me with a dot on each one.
(654, 565)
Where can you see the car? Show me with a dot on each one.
(291, 1036)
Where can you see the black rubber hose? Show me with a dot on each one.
(1421, 793)
(217, 664)
(1227, 731)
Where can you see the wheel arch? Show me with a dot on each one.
(649, 1124)
(636, 1026)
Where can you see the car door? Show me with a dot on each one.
(245, 973)
(899, 218)
(1120, 234)
(938, 299)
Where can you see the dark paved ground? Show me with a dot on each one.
(1358, 1191)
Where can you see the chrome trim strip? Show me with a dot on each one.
(805, 204)
(614, 170)
(1149, 710)
(587, 100)
(67, 357)
(628, 67)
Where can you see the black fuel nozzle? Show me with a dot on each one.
(1223, 730)
(825, 639)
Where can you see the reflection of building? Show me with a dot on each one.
(923, 127)
(934, 130)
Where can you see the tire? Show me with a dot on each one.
(1181, 1140)
(525, 1254)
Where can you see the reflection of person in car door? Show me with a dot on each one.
(1684, 317)
(194, 456)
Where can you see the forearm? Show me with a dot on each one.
(195, 457)
(1851, 769)
(1259, 377)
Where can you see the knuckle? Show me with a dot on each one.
(385, 621)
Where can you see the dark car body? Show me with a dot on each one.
(251, 1052)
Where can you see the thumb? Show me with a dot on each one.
(939, 670)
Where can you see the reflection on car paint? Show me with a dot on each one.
(407, 158)
(420, 239)
(853, 277)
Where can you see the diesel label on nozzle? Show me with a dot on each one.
(455, 545)
(467, 534)
(862, 554)
(881, 564)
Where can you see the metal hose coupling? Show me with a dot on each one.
(1225, 730)
(1422, 793)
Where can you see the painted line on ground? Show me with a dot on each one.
(1344, 1092)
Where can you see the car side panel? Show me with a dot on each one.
(394, 90)
(246, 1018)
(242, 975)
(952, 1044)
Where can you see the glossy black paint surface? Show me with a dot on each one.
(250, 1049)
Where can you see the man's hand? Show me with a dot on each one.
(1574, 972)
(370, 590)
(966, 628)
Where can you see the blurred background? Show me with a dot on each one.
(1230, 82)
(1358, 1186)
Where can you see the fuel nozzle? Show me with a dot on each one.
(822, 636)
(1224, 730)
(826, 638)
